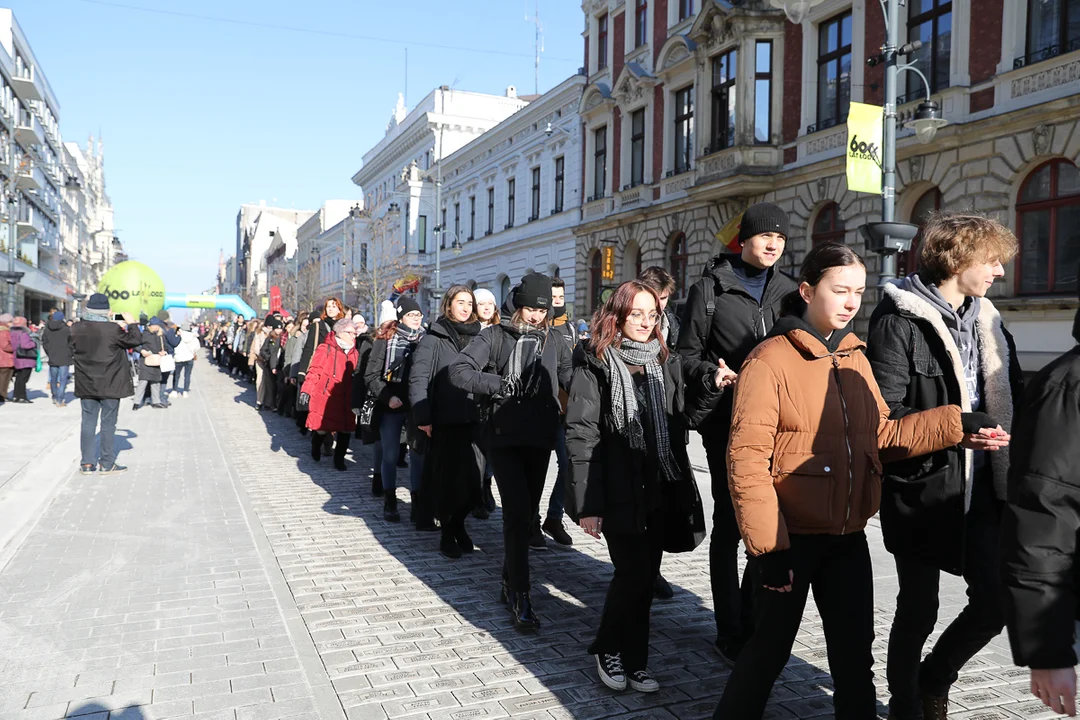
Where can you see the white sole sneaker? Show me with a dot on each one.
(615, 682)
(648, 685)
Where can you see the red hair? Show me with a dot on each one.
(608, 321)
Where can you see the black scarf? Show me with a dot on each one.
(460, 333)
(398, 349)
(525, 368)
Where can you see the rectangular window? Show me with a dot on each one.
(560, 183)
(457, 222)
(834, 70)
(684, 129)
(535, 194)
(491, 211)
(931, 22)
(686, 9)
(637, 147)
(363, 257)
(510, 202)
(442, 230)
(1053, 28)
(763, 92)
(599, 163)
(723, 100)
(421, 234)
(601, 42)
(472, 217)
(641, 23)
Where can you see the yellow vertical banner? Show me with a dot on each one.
(607, 264)
(864, 125)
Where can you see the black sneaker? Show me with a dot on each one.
(537, 541)
(610, 670)
(113, 470)
(87, 469)
(662, 588)
(481, 513)
(464, 541)
(448, 546)
(558, 533)
(524, 617)
(642, 681)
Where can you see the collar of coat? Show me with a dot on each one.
(809, 344)
(993, 360)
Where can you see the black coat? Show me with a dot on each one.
(517, 421)
(55, 340)
(608, 476)
(153, 344)
(377, 384)
(738, 323)
(434, 399)
(917, 367)
(1041, 522)
(317, 331)
(99, 351)
(364, 343)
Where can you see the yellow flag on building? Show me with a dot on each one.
(729, 234)
(864, 125)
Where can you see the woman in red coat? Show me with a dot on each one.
(328, 387)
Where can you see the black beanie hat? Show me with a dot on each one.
(405, 305)
(98, 301)
(762, 218)
(533, 292)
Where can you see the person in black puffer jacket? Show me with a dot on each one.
(454, 465)
(631, 479)
(55, 341)
(521, 364)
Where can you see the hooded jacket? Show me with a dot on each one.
(55, 340)
(918, 366)
(21, 338)
(328, 383)
(737, 324)
(807, 428)
(99, 352)
(433, 398)
(1041, 523)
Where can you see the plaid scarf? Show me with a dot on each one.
(624, 401)
(398, 348)
(524, 369)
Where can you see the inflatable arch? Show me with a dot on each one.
(216, 302)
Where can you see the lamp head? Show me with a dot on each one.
(927, 121)
(549, 130)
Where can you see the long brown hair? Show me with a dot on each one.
(340, 305)
(607, 323)
(448, 299)
(386, 330)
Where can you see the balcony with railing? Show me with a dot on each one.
(1044, 74)
(634, 196)
(22, 82)
(26, 129)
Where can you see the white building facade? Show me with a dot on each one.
(512, 197)
(89, 245)
(256, 227)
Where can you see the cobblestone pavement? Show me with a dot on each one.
(230, 576)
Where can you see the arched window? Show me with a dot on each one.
(595, 282)
(637, 263)
(828, 226)
(504, 289)
(680, 258)
(928, 202)
(1048, 221)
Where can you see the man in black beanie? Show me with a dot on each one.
(728, 312)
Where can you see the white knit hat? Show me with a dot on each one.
(387, 312)
(484, 295)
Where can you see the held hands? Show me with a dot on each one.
(990, 439)
(784, 588)
(1056, 688)
(592, 525)
(394, 403)
(725, 376)
(426, 429)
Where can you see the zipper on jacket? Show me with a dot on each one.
(761, 317)
(847, 442)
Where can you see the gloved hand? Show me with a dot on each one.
(304, 398)
(509, 388)
(775, 568)
(973, 422)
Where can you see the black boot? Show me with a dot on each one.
(448, 546)
(316, 447)
(524, 617)
(463, 540)
(421, 515)
(390, 513)
(376, 485)
(504, 593)
(403, 456)
(489, 497)
(340, 449)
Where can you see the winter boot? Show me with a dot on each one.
(376, 485)
(340, 449)
(316, 447)
(390, 513)
(524, 617)
(448, 546)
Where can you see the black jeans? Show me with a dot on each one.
(107, 409)
(21, 378)
(624, 625)
(732, 607)
(917, 609)
(520, 474)
(837, 568)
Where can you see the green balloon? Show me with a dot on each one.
(134, 288)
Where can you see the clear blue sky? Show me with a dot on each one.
(199, 115)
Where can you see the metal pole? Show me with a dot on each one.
(888, 157)
(12, 230)
(344, 236)
(438, 217)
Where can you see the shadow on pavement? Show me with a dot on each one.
(95, 711)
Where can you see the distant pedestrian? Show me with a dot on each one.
(328, 387)
(26, 357)
(270, 352)
(7, 356)
(150, 353)
(186, 353)
(55, 340)
(102, 378)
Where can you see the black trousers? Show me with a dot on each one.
(732, 606)
(624, 624)
(837, 569)
(917, 609)
(21, 378)
(520, 474)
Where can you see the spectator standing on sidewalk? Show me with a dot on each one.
(150, 354)
(26, 358)
(7, 356)
(809, 431)
(935, 339)
(631, 481)
(488, 313)
(728, 312)
(328, 386)
(267, 360)
(1039, 531)
(102, 379)
(55, 341)
(186, 353)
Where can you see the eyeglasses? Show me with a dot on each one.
(639, 318)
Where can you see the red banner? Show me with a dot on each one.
(275, 299)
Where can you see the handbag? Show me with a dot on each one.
(168, 363)
(152, 360)
(684, 516)
(367, 412)
(24, 353)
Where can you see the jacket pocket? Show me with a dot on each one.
(805, 487)
(926, 364)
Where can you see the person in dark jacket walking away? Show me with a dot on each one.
(1039, 530)
(55, 341)
(935, 339)
(809, 431)
(450, 417)
(521, 364)
(328, 386)
(387, 379)
(728, 312)
(152, 350)
(553, 521)
(25, 349)
(99, 349)
(631, 479)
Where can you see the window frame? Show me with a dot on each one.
(908, 262)
(560, 183)
(721, 95)
(595, 270)
(472, 217)
(679, 262)
(641, 23)
(1061, 42)
(457, 222)
(600, 163)
(637, 148)
(834, 56)
(684, 130)
(767, 77)
(535, 192)
(511, 202)
(491, 211)
(837, 227)
(421, 235)
(686, 10)
(442, 230)
(602, 23)
(915, 88)
(1051, 204)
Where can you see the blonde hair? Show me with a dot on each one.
(953, 241)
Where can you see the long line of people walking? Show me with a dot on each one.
(809, 431)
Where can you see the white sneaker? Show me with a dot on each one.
(186, 393)
(641, 681)
(610, 669)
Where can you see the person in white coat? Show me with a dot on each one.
(185, 354)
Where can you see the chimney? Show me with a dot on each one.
(511, 91)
